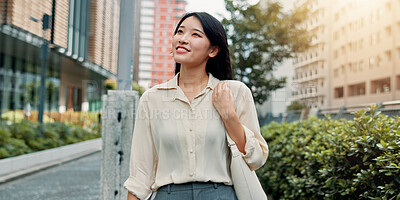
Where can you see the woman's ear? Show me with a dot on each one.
(213, 51)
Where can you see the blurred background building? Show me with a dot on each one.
(83, 53)
(354, 57)
(146, 42)
(158, 20)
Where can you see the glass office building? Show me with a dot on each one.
(20, 76)
(83, 53)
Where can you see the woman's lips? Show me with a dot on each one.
(181, 49)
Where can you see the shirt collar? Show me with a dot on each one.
(173, 83)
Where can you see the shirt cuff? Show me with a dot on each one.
(137, 188)
(254, 154)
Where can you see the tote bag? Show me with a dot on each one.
(245, 182)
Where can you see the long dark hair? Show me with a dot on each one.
(220, 65)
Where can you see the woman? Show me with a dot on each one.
(179, 146)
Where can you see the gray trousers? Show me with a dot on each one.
(196, 191)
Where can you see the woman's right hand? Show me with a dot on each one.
(132, 197)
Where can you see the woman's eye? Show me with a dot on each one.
(196, 34)
(179, 31)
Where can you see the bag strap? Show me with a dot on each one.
(232, 145)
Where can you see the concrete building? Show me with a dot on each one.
(158, 19)
(166, 15)
(311, 78)
(83, 53)
(146, 42)
(355, 54)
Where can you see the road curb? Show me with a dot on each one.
(14, 167)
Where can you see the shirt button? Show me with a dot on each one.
(190, 129)
(191, 174)
(191, 151)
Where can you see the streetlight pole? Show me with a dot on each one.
(44, 49)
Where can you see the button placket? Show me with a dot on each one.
(192, 145)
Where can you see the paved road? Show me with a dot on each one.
(75, 180)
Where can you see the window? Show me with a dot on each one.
(375, 38)
(336, 17)
(356, 89)
(380, 86)
(388, 54)
(388, 6)
(379, 14)
(350, 67)
(378, 61)
(343, 48)
(388, 31)
(335, 54)
(338, 92)
(362, 23)
(343, 69)
(371, 63)
(398, 52)
(336, 35)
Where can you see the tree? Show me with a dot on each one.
(295, 105)
(261, 38)
(137, 87)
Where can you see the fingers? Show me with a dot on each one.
(221, 88)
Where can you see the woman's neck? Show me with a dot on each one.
(193, 78)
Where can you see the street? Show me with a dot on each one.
(75, 180)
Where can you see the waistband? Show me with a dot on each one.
(188, 186)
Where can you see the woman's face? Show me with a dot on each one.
(190, 45)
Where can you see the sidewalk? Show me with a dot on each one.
(75, 180)
(14, 167)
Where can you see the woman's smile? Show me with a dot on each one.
(182, 49)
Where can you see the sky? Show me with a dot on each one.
(217, 7)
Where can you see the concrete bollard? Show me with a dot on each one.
(119, 108)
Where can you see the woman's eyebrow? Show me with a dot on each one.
(196, 29)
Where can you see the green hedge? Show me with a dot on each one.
(24, 137)
(333, 159)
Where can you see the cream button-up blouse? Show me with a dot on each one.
(175, 141)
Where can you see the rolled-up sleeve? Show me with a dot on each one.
(143, 156)
(256, 147)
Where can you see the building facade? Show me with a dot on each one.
(83, 42)
(354, 58)
(158, 20)
(311, 77)
(146, 42)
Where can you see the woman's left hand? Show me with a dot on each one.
(223, 101)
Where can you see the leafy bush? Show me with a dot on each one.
(24, 137)
(334, 159)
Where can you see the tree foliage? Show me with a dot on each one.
(262, 37)
(334, 159)
(295, 105)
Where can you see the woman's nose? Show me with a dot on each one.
(183, 39)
